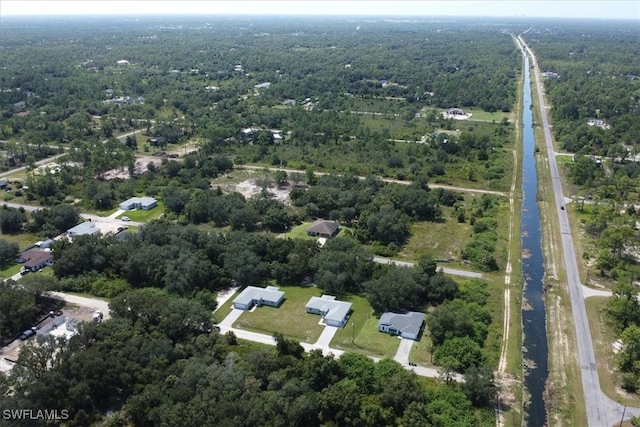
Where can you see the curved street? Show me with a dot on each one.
(601, 410)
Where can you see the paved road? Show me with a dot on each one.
(38, 163)
(92, 303)
(452, 271)
(389, 180)
(601, 411)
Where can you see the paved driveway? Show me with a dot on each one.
(404, 349)
(326, 336)
(230, 319)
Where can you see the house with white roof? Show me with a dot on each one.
(252, 295)
(83, 229)
(145, 203)
(334, 312)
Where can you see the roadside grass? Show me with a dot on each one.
(141, 215)
(563, 161)
(444, 239)
(603, 338)
(363, 325)
(290, 319)
(421, 351)
(9, 269)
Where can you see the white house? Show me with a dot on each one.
(252, 295)
(334, 312)
(145, 203)
(407, 325)
(84, 228)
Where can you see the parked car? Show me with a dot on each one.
(125, 218)
(28, 334)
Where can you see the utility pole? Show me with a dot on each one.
(623, 411)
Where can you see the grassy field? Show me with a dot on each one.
(444, 239)
(290, 319)
(23, 240)
(479, 114)
(141, 215)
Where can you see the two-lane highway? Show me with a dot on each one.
(601, 411)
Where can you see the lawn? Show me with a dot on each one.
(421, 351)
(441, 240)
(363, 325)
(290, 319)
(141, 215)
(9, 269)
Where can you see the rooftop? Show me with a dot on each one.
(253, 293)
(335, 310)
(409, 322)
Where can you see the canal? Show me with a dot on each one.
(535, 350)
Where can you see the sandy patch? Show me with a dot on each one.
(249, 189)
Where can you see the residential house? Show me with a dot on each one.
(4, 182)
(83, 229)
(322, 228)
(334, 312)
(407, 325)
(252, 295)
(145, 203)
(35, 259)
(158, 141)
(264, 85)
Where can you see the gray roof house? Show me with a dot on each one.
(252, 295)
(84, 228)
(322, 228)
(407, 325)
(145, 203)
(334, 312)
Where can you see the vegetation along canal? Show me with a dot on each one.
(533, 310)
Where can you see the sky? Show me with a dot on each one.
(620, 9)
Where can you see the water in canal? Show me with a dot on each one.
(533, 309)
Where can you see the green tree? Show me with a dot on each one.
(479, 385)
(8, 251)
